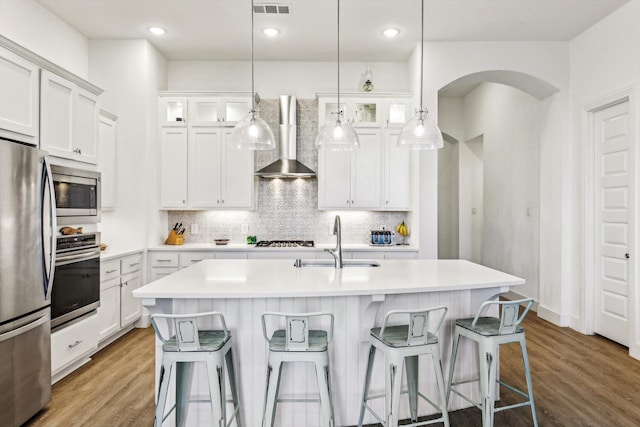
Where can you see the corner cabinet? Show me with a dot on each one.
(69, 118)
(376, 176)
(198, 167)
(118, 310)
(19, 98)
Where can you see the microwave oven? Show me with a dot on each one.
(77, 195)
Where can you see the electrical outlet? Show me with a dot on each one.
(245, 228)
(331, 229)
(194, 228)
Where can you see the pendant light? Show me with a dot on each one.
(421, 133)
(337, 134)
(252, 132)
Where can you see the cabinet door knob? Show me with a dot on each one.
(223, 201)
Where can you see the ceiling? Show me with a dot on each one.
(221, 29)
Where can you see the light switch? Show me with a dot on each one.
(194, 228)
(245, 228)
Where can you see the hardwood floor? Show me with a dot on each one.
(578, 381)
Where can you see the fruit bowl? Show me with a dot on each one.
(221, 241)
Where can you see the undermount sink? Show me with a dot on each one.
(330, 263)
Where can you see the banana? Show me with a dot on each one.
(402, 229)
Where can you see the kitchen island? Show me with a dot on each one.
(358, 297)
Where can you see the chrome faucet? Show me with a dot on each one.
(337, 252)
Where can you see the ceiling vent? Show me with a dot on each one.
(271, 9)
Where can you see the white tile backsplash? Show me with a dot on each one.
(286, 209)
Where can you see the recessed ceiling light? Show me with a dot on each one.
(391, 32)
(157, 31)
(271, 32)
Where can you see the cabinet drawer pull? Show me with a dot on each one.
(164, 260)
(75, 344)
(134, 264)
(111, 271)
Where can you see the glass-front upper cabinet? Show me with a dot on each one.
(218, 111)
(381, 110)
(398, 112)
(173, 111)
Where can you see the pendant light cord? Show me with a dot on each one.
(253, 90)
(339, 60)
(421, 53)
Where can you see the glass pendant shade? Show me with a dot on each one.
(420, 133)
(337, 135)
(252, 133)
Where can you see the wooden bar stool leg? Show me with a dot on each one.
(411, 363)
(367, 382)
(231, 371)
(163, 390)
(527, 373)
(437, 364)
(273, 384)
(454, 354)
(183, 386)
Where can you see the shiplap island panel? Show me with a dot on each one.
(358, 297)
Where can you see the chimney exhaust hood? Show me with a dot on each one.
(287, 166)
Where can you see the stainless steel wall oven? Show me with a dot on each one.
(76, 283)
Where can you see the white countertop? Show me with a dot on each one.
(233, 247)
(116, 252)
(279, 278)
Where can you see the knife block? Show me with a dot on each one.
(174, 238)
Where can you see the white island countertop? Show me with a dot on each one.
(221, 278)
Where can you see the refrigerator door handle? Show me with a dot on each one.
(48, 179)
(21, 330)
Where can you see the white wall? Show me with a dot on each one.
(32, 26)
(604, 60)
(275, 78)
(131, 72)
(507, 156)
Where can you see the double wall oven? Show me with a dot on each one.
(76, 283)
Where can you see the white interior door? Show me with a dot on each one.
(613, 172)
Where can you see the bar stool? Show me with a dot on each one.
(403, 344)
(490, 333)
(298, 343)
(189, 345)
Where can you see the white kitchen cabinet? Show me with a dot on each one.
(351, 179)
(69, 119)
(217, 110)
(199, 170)
(173, 167)
(377, 175)
(19, 98)
(119, 277)
(72, 346)
(107, 139)
(173, 111)
(396, 174)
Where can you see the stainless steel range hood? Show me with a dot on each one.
(287, 166)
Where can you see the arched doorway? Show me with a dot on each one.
(489, 171)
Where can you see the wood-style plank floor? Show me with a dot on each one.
(578, 381)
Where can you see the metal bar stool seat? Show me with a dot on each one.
(490, 333)
(298, 343)
(401, 345)
(189, 345)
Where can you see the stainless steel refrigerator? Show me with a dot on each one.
(27, 257)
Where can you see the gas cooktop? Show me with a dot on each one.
(284, 243)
